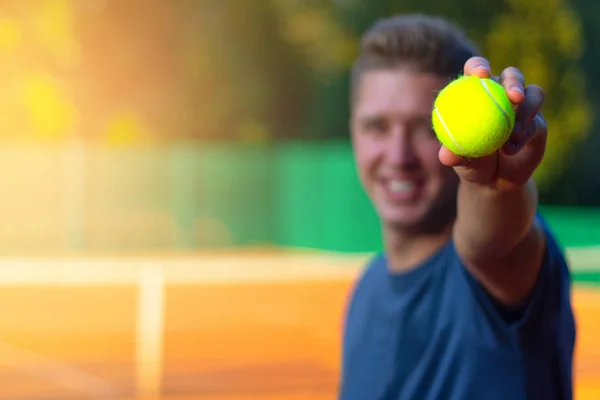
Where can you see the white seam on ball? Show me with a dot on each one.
(448, 130)
(495, 101)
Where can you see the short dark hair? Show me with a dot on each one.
(417, 42)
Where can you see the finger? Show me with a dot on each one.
(538, 128)
(478, 66)
(478, 170)
(534, 99)
(514, 83)
(528, 109)
(450, 159)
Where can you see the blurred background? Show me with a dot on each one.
(184, 168)
(131, 126)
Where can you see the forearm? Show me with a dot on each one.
(491, 222)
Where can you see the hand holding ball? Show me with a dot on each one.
(473, 117)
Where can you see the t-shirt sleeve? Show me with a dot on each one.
(551, 293)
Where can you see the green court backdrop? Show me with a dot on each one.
(302, 194)
(201, 195)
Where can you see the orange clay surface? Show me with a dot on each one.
(223, 341)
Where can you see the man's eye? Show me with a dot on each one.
(376, 126)
(424, 129)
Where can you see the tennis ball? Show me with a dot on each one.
(473, 117)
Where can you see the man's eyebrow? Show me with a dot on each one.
(367, 118)
(421, 118)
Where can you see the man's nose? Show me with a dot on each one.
(400, 149)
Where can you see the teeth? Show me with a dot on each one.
(401, 186)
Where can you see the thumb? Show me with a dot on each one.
(477, 170)
(450, 159)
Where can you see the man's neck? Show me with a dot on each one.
(406, 250)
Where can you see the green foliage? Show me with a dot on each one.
(544, 39)
(579, 184)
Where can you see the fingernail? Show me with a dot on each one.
(483, 66)
(517, 88)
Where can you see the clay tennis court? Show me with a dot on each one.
(247, 326)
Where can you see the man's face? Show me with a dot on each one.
(396, 150)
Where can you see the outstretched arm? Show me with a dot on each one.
(496, 234)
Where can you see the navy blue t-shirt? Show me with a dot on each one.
(434, 333)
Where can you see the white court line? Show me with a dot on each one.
(192, 270)
(233, 269)
(584, 258)
(56, 373)
(149, 334)
(209, 270)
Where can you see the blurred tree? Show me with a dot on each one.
(328, 48)
(238, 78)
(207, 70)
(473, 16)
(38, 52)
(580, 184)
(128, 58)
(544, 39)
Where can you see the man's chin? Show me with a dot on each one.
(417, 220)
(401, 224)
(402, 219)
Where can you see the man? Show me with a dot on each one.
(471, 297)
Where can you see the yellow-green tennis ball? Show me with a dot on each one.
(473, 117)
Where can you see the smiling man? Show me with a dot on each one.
(470, 298)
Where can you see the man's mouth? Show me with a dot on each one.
(402, 190)
(400, 186)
